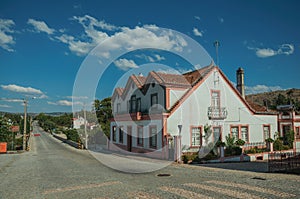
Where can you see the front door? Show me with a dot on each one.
(129, 138)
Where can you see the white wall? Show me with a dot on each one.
(193, 112)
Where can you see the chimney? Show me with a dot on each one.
(240, 81)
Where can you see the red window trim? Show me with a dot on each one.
(191, 138)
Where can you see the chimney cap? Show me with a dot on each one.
(240, 69)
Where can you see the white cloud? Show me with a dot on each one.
(40, 26)
(77, 97)
(20, 89)
(5, 106)
(76, 46)
(51, 103)
(141, 37)
(152, 58)
(64, 103)
(12, 100)
(88, 21)
(284, 49)
(197, 18)
(43, 96)
(125, 64)
(117, 38)
(6, 40)
(261, 89)
(221, 20)
(197, 32)
(159, 58)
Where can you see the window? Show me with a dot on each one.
(154, 100)
(196, 136)
(217, 133)
(244, 133)
(153, 137)
(114, 133)
(133, 104)
(267, 132)
(286, 128)
(138, 105)
(215, 98)
(235, 132)
(140, 136)
(121, 135)
(118, 107)
(297, 132)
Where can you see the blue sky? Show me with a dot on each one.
(43, 44)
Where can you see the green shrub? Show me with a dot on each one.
(240, 142)
(189, 157)
(72, 134)
(234, 150)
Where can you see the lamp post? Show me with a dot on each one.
(179, 144)
(25, 124)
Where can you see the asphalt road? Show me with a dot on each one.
(54, 170)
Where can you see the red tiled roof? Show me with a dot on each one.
(194, 76)
(258, 108)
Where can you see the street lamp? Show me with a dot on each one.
(25, 119)
(179, 144)
(25, 122)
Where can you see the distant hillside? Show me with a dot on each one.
(274, 98)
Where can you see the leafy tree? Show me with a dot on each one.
(104, 114)
(72, 134)
(288, 138)
(4, 130)
(281, 100)
(27, 126)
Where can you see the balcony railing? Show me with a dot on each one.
(217, 113)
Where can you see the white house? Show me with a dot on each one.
(163, 114)
(77, 122)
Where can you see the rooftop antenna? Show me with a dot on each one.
(216, 45)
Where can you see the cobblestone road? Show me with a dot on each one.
(54, 170)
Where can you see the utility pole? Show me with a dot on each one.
(85, 123)
(217, 44)
(25, 123)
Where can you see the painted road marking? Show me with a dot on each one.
(184, 193)
(142, 195)
(228, 192)
(74, 188)
(253, 188)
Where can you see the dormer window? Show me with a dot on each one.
(154, 100)
(133, 104)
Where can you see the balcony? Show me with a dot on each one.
(217, 113)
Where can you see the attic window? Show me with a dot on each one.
(153, 84)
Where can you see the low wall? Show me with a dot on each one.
(69, 142)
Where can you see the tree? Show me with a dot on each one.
(104, 114)
(4, 130)
(281, 100)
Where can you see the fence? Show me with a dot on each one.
(287, 162)
(251, 145)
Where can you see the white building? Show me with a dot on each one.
(162, 114)
(77, 122)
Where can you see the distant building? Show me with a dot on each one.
(15, 129)
(164, 114)
(78, 122)
(288, 120)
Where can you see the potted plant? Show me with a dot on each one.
(240, 142)
(269, 142)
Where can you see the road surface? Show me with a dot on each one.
(54, 170)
